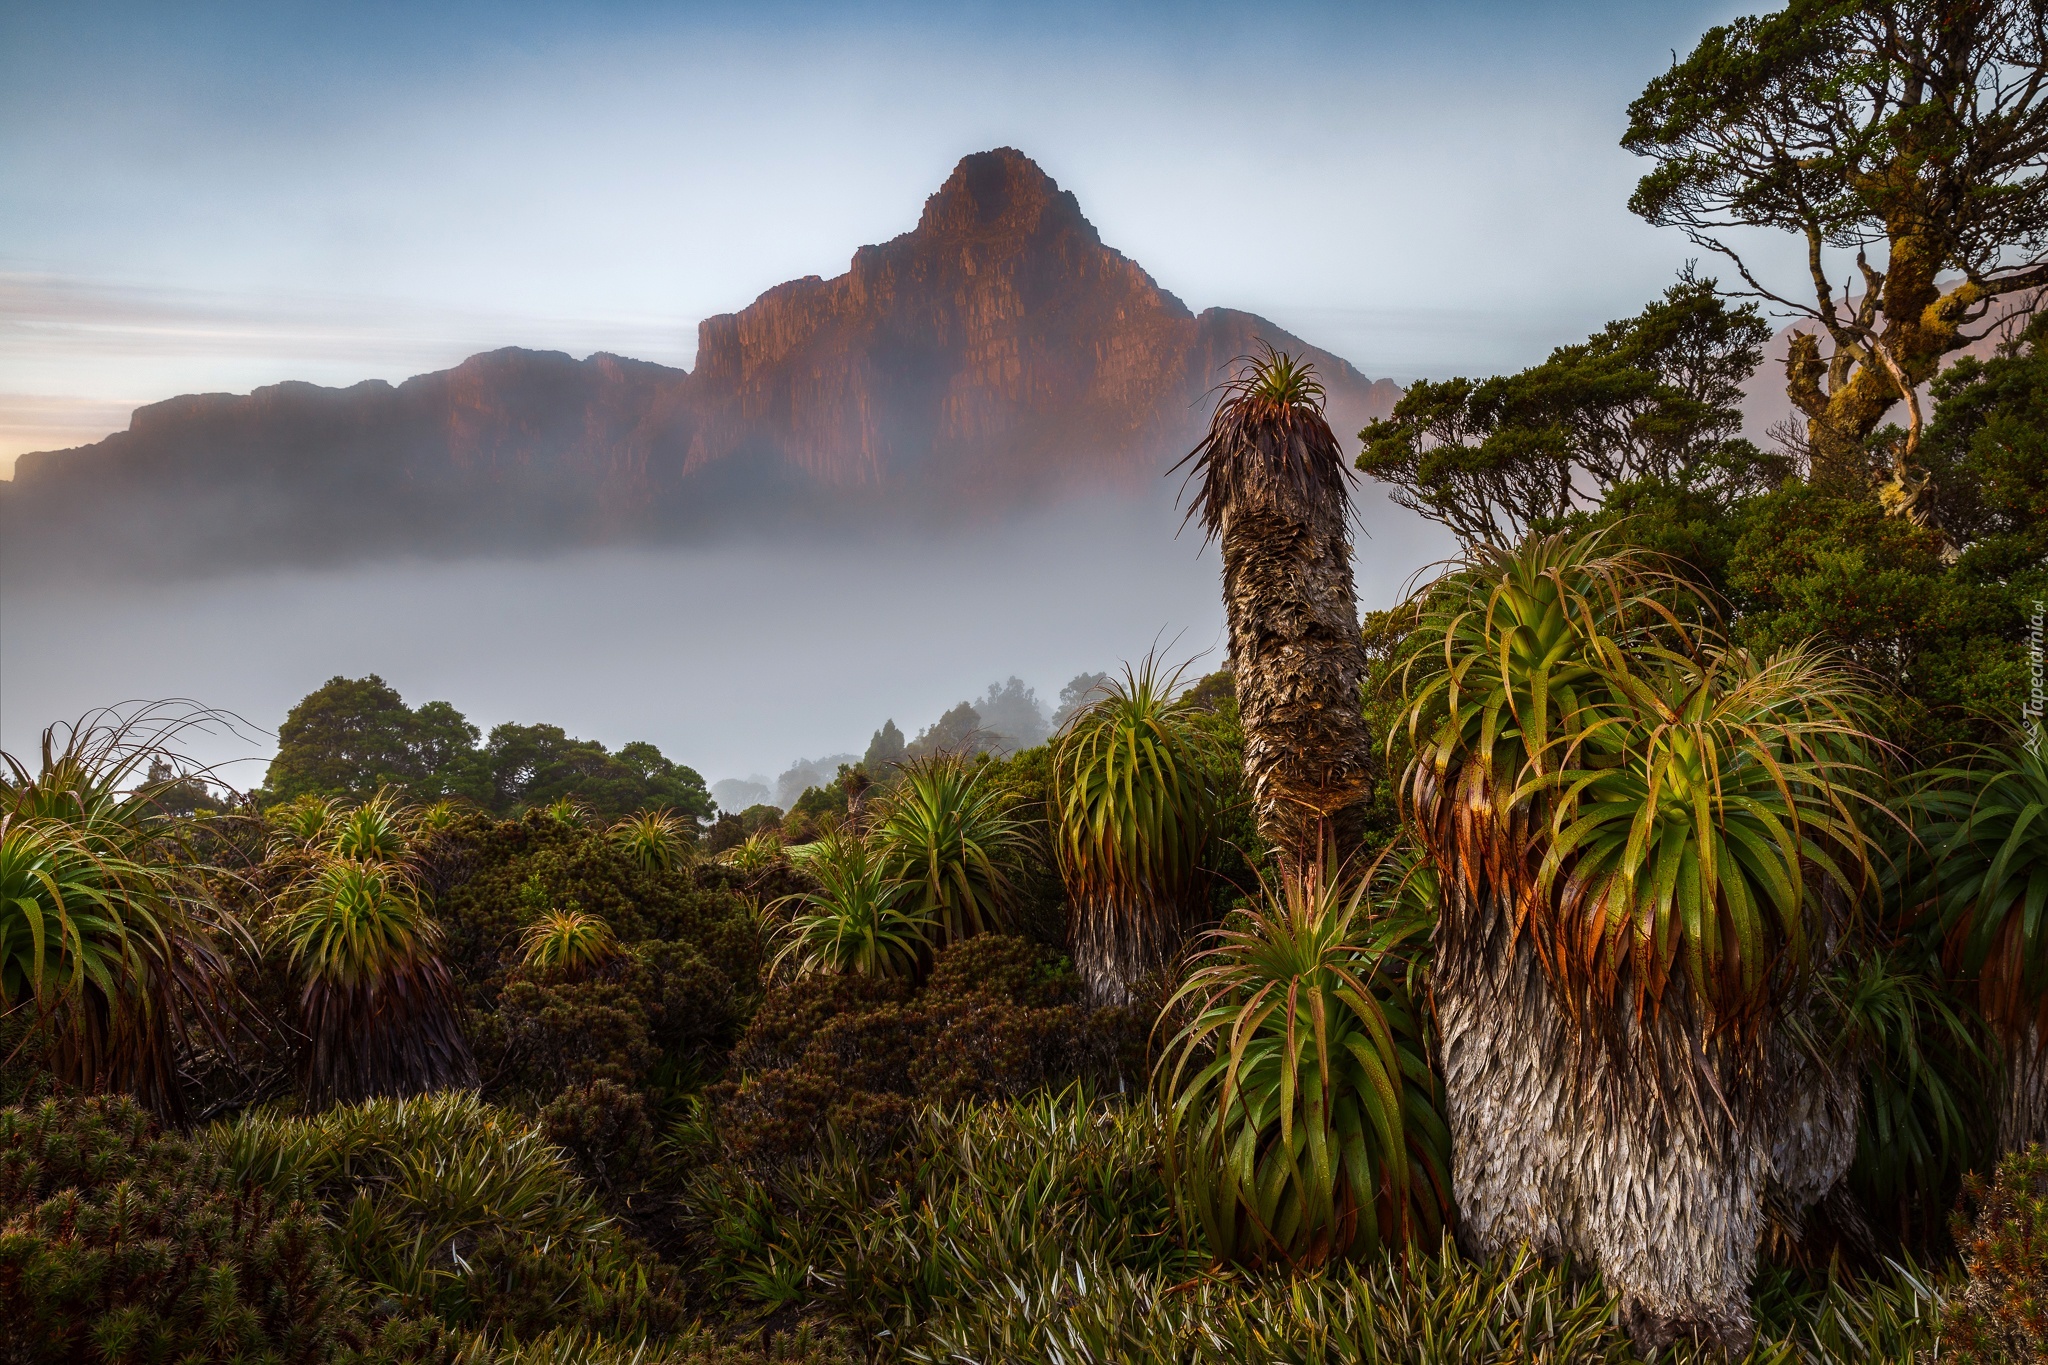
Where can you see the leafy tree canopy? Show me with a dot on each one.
(352, 737)
(884, 749)
(1650, 398)
(532, 765)
(1911, 133)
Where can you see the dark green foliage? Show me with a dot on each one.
(356, 736)
(443, 1204)
(526, 866)
(1926, 1116)
(1810, 565)
(1652, 399)
(996, 1019)
(885, 749)
(604, 1128)
(958, 732)
(121, 1243)
(2003, 1313)
(658, 1000)
(734, 828)
(533, 765)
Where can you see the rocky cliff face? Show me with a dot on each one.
(995, 355)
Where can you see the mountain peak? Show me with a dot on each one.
(996, 356)
(1000, 191)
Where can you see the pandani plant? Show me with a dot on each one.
(658, 841)
(858, 919)
(1303, 1121)
(1271, 484)
(1644, 838)
(378, 1006)
(568, 943)
(109, 933)
(949, 833)
(1984, 824)
(377, 831)
(1133, 810)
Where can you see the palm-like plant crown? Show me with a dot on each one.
(1642, 794)
(1133, 801)
(105, 925)
(1268, 446)
(948, 832)
(1133, 809)
(374, 832)
(858, 920)
(357, 924)
(1985, 827)
(568, 942)
(1303, 1120)
(657, 840)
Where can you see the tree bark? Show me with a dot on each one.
(1295, 648)
(2023, 1109)
(1633, 1146)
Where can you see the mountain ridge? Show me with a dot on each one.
(995, 356)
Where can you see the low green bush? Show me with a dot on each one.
(451, 1206)
(848, 1055)
(119, 1243)
(1043, 1230)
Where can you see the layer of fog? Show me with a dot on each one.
(738, 661)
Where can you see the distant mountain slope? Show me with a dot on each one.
(996, 356)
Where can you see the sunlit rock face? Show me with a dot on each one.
(996, 356)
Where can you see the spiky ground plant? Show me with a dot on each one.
(757, 854)
(949, 833)
(1303, 1121)
(304, 823)
(1133, 812)
(1985, 826)
(378, 1006)
(1272, 487)
(658, 840)
(106, 927)
(858, 920)
(568, 943)
(373, 832)
(1635, 829)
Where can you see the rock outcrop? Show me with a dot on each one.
(997, 355)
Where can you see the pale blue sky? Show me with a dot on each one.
(208, 197)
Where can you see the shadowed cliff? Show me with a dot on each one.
(996, 357)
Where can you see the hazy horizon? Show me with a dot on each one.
(736, 660)
(228, 196)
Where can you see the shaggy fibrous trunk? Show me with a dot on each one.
(398, 1036)
(1644, 1153)
(1295, 649)
(1119, 945)
(2023, 1109)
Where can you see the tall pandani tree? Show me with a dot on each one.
(1644, 839)
(378, 1005)
(1984, 824)
(109, 933)
(1271, 485)
(1133, 811)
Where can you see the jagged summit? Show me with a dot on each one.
(995, 355)
(999, 192)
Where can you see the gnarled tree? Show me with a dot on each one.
(1272, 488)
(1907, 136)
